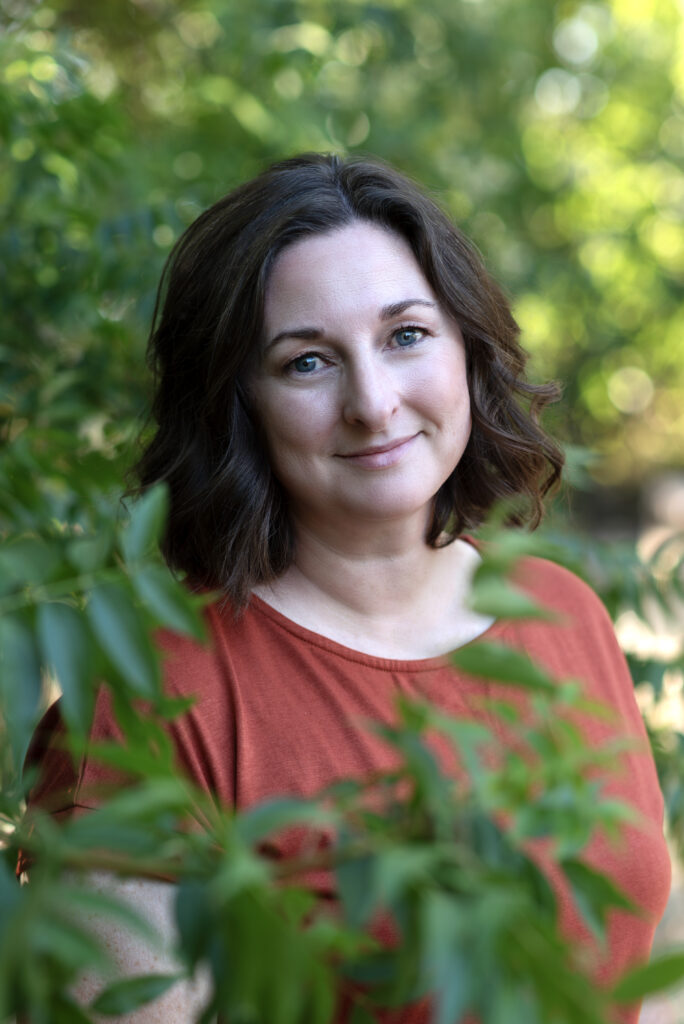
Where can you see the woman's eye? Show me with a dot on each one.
(406, 336)
(304, 364)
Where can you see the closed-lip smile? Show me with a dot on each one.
(380, 456)
(378, 449)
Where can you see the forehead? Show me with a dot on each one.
(353, 270)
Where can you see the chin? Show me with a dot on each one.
(390, 507)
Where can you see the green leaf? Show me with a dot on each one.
(148, 761)
(20, 685)
(498, 663)
(11, 898)
(594, 894)
(117, 625)
(271, 816)
(29, 560)
(166, 598)
(145, 802)
(87, 554)
(72, 944)
(496, 597)
(65, 1011)
(67, 648)
(661, 973)
(447, 970)
(402, 866)
(144, 531)
(127, 995)
(469, 740)
(357, 886)
(194, 918)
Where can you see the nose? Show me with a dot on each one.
(371, 397)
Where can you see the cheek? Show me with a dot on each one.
(442, 392)
(298, 423)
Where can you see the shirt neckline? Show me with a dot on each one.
(362, 657)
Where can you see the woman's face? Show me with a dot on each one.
(361, 390)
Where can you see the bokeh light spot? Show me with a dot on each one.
(45, 17)
(198, 29)
(306, 35)
(557, 91)
(22, 149)
(630, 389)
(15, 70)
(359, 130)
(575, 41)
(353, 46)
(163, 236)
(44, 69)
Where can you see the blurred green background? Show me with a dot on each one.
(552, 132)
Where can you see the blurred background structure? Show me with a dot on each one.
(552, 132)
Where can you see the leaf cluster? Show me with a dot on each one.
(436, 864)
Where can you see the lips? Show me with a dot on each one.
(378, 449)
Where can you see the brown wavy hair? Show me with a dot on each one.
(229, 526)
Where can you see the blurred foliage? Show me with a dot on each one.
(421, 846)
(553, 133)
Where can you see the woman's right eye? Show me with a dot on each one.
(305, 363)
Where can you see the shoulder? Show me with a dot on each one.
(561, 590)
(579, 629)
(578, 640)
(190, 663)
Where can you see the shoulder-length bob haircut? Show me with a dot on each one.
(229, 526)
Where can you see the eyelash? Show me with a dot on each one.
(422, 331)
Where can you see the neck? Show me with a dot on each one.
(381, 591)
(377, 572)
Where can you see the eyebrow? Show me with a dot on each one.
(313, 333)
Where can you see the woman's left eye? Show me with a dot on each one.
(407, 336)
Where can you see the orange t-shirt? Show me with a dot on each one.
(281, 710)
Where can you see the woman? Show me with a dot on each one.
(340, 394)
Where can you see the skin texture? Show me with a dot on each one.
(358, 356)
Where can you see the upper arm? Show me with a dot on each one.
(132, 954)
